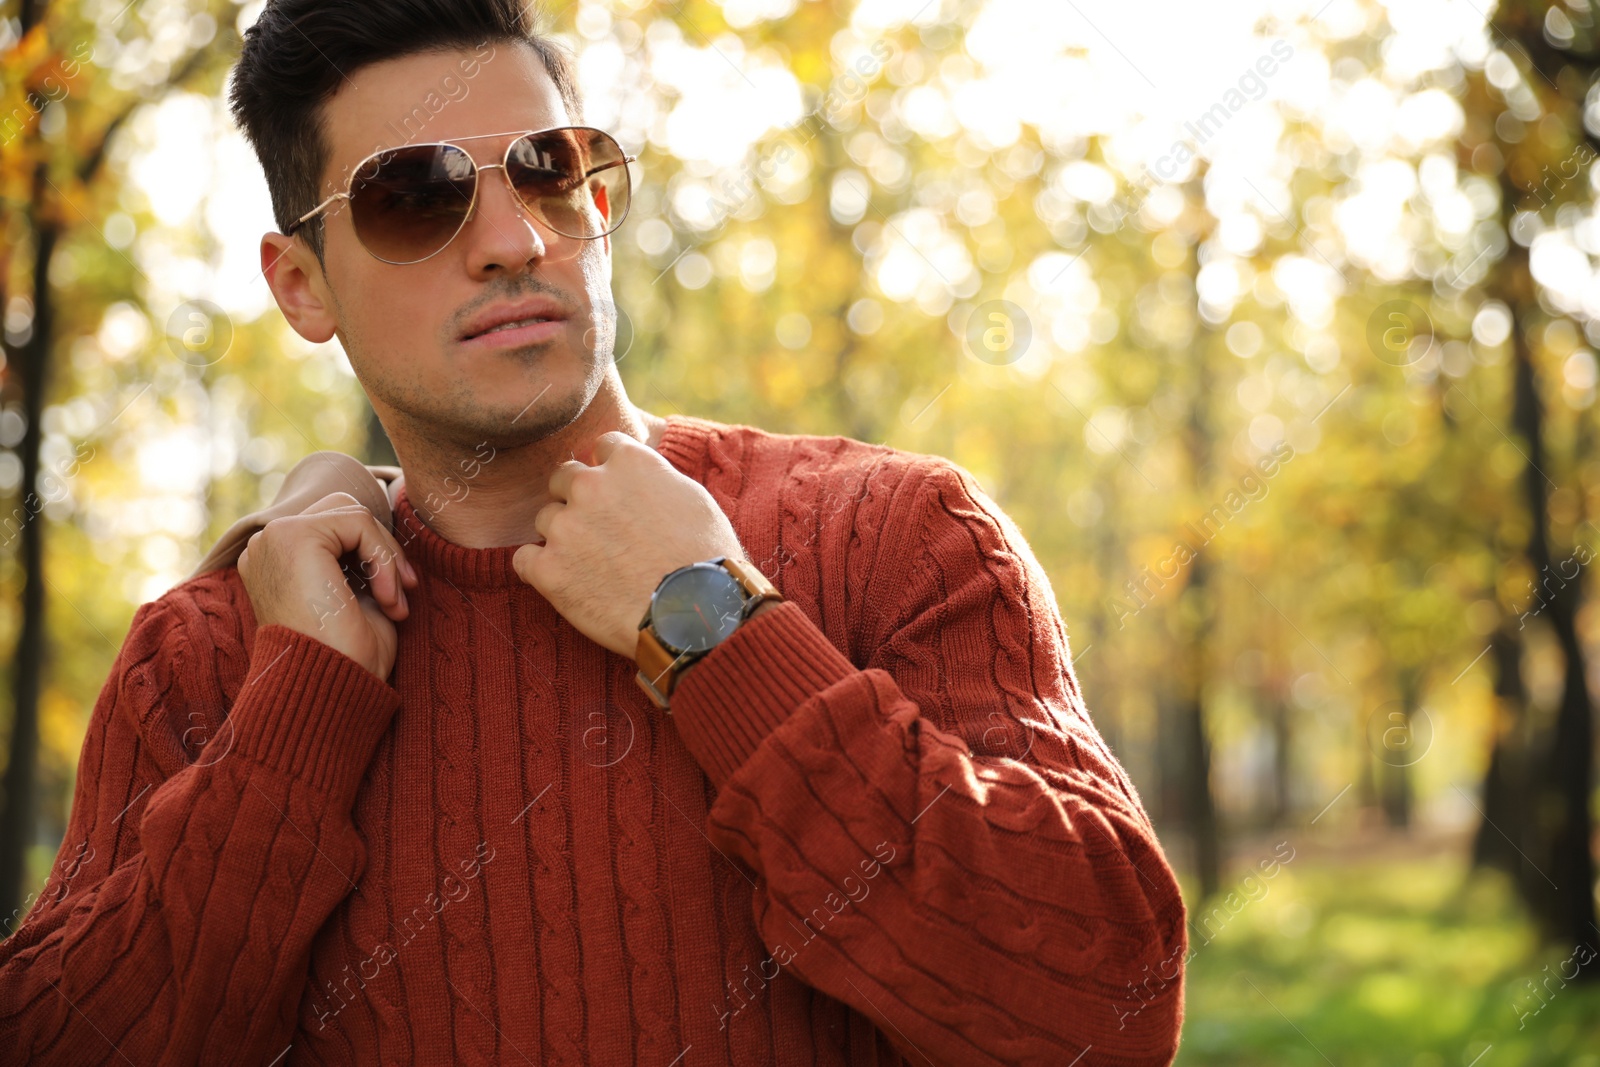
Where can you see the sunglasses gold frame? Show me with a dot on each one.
(477, 186)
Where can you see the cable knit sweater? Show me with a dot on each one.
(878, 828)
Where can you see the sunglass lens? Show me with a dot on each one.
(573, 178)
(408, 203)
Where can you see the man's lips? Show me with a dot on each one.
(518, 334)
(520, 323)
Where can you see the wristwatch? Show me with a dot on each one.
(692, 611)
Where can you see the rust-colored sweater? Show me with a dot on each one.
(878, 828)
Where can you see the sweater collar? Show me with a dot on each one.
(487, 568)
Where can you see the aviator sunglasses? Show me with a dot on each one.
(408, 203)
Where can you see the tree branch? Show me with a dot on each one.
(92, 162)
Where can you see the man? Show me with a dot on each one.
(837, 799)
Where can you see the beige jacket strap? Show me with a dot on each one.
(313, 478)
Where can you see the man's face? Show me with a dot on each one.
(413, 332)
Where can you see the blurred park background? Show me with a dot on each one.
(1272, 323)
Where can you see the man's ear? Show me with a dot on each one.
(297, 283)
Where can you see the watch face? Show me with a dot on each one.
(697, 608)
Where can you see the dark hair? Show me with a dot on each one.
(299, 53)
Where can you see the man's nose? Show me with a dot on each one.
(501, 234)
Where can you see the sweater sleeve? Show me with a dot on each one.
(205, 848)
(942, 839)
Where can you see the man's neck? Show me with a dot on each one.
(488, 498)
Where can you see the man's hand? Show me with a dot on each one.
(291, 570)
(613, 532)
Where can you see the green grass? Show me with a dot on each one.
(1401, 961)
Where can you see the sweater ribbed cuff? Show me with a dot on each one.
(745, 687)
(311, 712)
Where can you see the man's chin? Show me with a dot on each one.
(547, 410)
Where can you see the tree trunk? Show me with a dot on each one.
(1200, 809)
(1505, 793)
(1282, 752)
(1395, 791)
(1568, 831)
(1559, 769)
(1555, 800)
(1197, 613)
(17, 818)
